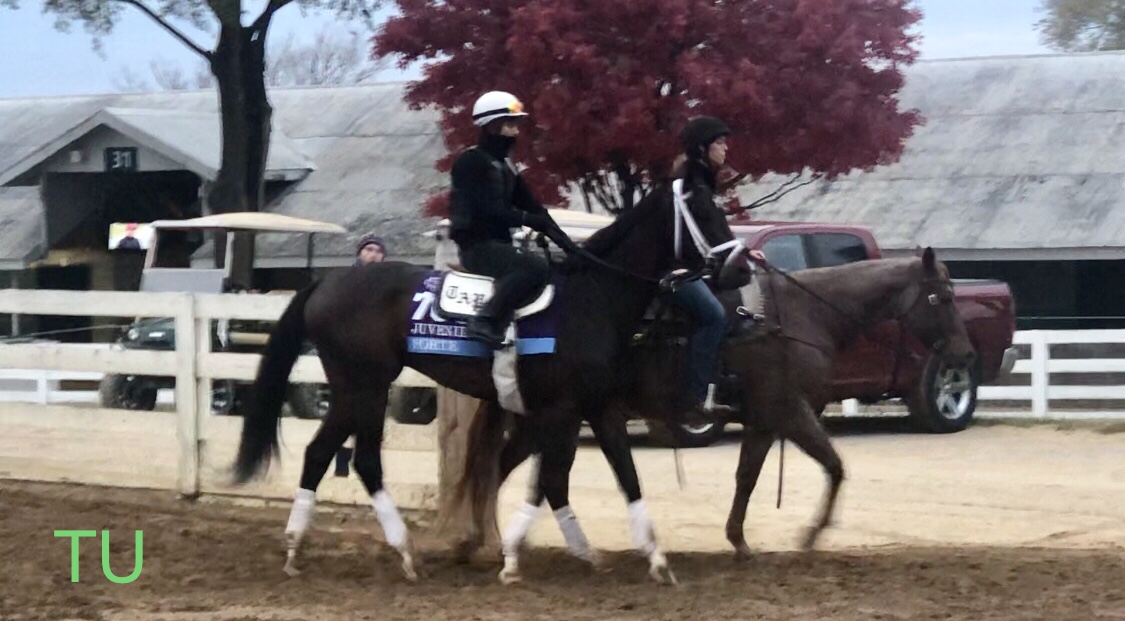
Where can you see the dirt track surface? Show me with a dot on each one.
(993, 524)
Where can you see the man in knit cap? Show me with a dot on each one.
(370, 249)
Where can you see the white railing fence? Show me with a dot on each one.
(193, 364)
(1041, 366)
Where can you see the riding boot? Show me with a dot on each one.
(485, 328)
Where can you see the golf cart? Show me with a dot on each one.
(139, 392)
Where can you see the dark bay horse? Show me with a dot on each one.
(783, 367)
(359, 319)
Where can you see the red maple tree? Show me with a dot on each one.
(806, 85)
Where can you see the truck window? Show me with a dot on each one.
(785, 252)
(832, 249)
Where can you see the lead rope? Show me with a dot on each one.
(781, 329)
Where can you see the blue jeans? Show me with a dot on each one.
(709, 319)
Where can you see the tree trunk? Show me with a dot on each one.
(238, 64)
(626, 184)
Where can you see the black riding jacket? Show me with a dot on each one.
(489, 198)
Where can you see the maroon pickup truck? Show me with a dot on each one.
(939, 398)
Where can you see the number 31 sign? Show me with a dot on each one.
(121, 159)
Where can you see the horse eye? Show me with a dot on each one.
(933, 299)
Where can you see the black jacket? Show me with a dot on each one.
(489, 197)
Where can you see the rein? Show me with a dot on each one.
(683, 218)
(898, 347)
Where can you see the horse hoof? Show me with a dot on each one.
(291, 570)
(598, 563)
(809, 541)
(663, 575)
(408, 569)
(660, 571)
(510, 577)
(742, 552)
(463, 552)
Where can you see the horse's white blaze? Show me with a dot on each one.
(576, 540)
(390, 519)
(518, 528)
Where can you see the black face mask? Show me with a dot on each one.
(496, 145)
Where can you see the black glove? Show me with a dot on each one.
(571, 264)
(563, 241)
(539, 222)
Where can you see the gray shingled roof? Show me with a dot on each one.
(1016, 153)
(373, 156)
(191, 138)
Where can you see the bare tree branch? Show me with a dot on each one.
(170, 28)
(333, 58)
(262, 24)
(129, 82)
(585, 185)
(786, 187)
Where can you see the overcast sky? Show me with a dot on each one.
(37, 59)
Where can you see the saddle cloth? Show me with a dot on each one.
(443, 302)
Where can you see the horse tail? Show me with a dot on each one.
(263, 414)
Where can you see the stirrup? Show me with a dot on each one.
(710, 406)
(746, 312)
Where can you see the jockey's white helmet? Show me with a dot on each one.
(496, 105)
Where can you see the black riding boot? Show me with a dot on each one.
(485, 327)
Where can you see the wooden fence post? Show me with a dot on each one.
(187, 415)
(455, 414)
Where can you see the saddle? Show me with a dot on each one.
(462, 294)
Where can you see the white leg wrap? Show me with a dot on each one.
(641, 526)
(390, 519)
(576, 540)
(518, 528)
(301, 514)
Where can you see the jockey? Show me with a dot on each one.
(489, 198)
(704, 151)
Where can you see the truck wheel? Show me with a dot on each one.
(686, 434)
(946, 397)
(224, 397)
(413, 405)
(310, 401)
(126, 392)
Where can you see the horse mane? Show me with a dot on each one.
(608, 238)
(846, 272)
(828, 280)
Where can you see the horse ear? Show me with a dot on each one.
(929, 261)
